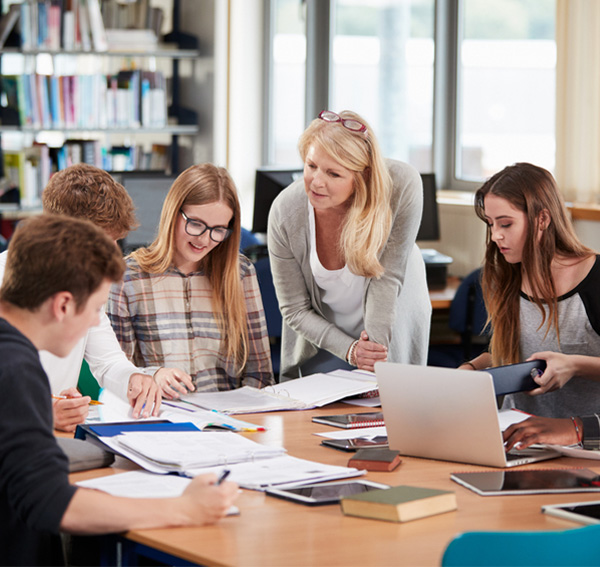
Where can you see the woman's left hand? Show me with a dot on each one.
(367, 353)
(560, 368)
(173, 382)
(540, 430)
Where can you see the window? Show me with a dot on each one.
(383, 56)
(463, 117)
(287, 70)
(506, 86)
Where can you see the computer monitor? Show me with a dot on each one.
(270, 181)
(148, 191)
(430, 224)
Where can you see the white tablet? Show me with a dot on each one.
(582, 512)
(326, 492)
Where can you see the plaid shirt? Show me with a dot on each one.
(167, 320)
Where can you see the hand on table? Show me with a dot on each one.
(143, 395)
(540, 430)
(206, 502)
(70, 412)
(173, 382)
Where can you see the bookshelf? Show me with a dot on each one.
(40, 124)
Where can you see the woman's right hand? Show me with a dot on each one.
(367, 353)
(173, 382)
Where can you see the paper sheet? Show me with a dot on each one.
(363, 432)
(281, 471)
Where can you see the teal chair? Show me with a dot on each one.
(579, 546)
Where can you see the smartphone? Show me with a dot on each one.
(357, 443)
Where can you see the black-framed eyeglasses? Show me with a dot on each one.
(198, 228)
(349, 123)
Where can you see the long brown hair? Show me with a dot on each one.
(369, 219)
(200, 185)
(533, 190)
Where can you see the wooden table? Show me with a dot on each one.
(442, 298)
(274, 532)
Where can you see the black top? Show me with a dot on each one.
(34, 483)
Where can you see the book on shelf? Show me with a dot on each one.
(88, 102)
(8, 22)
(399, 503)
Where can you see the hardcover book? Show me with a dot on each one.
(375, 459)
(399, 503)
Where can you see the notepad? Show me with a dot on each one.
(351, 420)
(179, 451)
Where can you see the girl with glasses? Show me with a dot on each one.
(190, 299)
(540, 286)
(349, 277)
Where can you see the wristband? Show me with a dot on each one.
(350, 358)
(577, 431)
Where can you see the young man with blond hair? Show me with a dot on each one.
(84, 191)
(58, 274)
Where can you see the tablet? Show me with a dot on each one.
(582, 512)
(516, 377)
(532, 481)
(326, 492)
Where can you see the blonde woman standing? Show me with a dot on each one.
(349, 277)
(190, 299)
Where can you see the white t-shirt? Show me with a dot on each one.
(342, 291)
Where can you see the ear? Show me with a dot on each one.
(62, 304)
(366, 175)
(544, 219)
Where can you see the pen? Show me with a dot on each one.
(92, 402)
(224, 474)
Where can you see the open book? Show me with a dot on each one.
(308, 392)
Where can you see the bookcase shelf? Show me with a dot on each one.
(174, 130)
(162, 52)
(43, 118)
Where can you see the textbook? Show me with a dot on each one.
(399, 503)
(375, 459)
(352, 420)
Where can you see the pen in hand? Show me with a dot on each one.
(224, 474)
(91, 403)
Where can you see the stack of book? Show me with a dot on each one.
(129, 99)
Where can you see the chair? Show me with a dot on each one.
(271, 307)
(468, 317)
(577, 546)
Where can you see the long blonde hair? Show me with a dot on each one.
(530, 189)
(369, 219)
(200, 185)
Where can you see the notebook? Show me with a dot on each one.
(446, 414)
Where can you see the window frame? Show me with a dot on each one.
(446, 81)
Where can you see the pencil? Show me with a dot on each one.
(92, 402)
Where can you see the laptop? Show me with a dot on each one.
(446, 414)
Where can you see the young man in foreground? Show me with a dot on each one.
(58, 274)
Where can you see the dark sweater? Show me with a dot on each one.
(34, 483)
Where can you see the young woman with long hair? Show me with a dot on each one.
(190, 299)
(540, 286)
